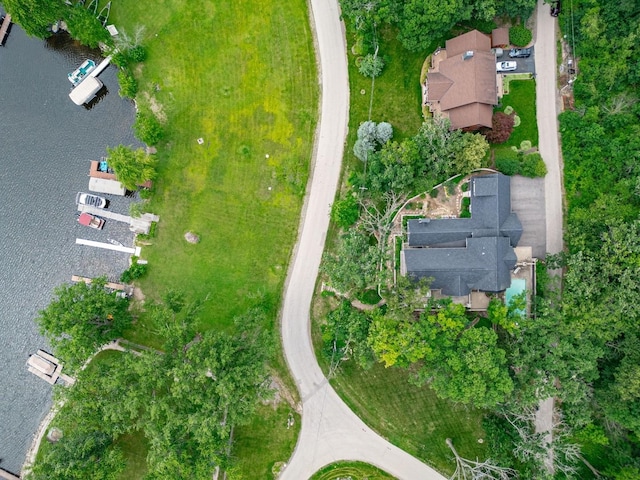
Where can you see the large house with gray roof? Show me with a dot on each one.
(462, 255)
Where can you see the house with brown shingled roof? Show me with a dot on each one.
(461, 84)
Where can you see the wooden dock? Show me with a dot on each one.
(4, 28)
(108, 246)
(110, 285)
(141, 224)
(7, 475)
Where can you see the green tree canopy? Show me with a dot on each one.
(132, 167)
(81, 318)
(35, 16)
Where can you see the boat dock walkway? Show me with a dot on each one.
(8, 476)
(4, 28)
(141, 224)
(108, 246)
(110, 285)
(98, 70)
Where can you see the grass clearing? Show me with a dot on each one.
(412, 418)
(242, 78)
(251, 452)
(522, 97)
(352, 470)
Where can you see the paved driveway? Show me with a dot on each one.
(525, 65)
(527, 200)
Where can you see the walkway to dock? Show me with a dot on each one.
(4, 28)
(140, 224)
(98, 70)
(107, 246)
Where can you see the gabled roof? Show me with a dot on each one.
(483, 264)
(464, 84)
(468, 253)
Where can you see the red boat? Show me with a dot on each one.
(92, 221)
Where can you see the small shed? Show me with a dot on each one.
(500, 37)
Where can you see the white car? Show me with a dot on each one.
(506, 66)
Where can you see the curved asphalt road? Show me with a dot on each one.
(330, 431)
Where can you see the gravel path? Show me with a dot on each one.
(330, 430)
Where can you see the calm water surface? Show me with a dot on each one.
(46, 143)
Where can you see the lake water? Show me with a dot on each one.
(46, 143)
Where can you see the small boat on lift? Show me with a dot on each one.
(92, 221)
(81, 72)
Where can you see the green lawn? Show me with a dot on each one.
(352, 470)
(266, 441)
(522, 97)
(412, 418)
(241, 75)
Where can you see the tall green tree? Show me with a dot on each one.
(132, 167)
(81, 318)
(35, 16)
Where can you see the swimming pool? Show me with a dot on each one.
(518, 285)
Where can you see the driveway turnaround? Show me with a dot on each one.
(330, 430)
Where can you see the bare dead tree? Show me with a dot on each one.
(473, 470)
(378, 219)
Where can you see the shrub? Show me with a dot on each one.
(516, 121)
(128, 84)
(508, 109)
(362, 149)
(384, 132)
(135, 271)
(371, 66)
(533, 166)
(147, 129)
(520, 36)
(137, 53)
(345, 212)
(501, 128)
(507, 161)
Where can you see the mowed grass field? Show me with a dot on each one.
(240, 75)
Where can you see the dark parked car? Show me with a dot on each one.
(555, 8)
(520, 53)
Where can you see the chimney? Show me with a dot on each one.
(467, 55)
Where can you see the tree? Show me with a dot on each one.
(345, 212)
(501, 128)
(520, 36)
(384, 132)
(345, 336)
(78, 456)
(132, 167)
(147, 128)
(81, 318)
(425, 20)
(371, 65)
(128, 84)
(85, 27)
(475, 470)
(35, 16)
(472, 151)
(354, 265)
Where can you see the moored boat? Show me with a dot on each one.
(92, 221)
(81, 72)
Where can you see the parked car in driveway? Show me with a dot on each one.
(506, 66)
(520, 53)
